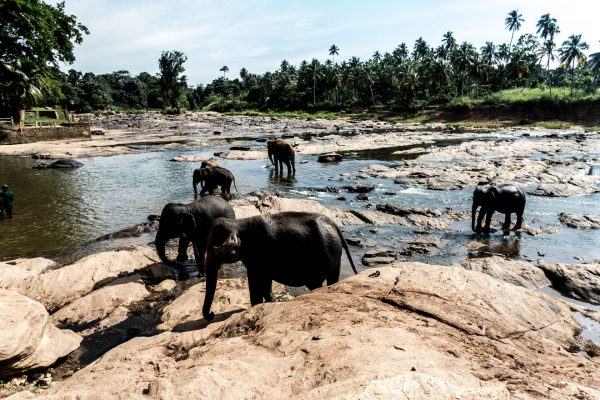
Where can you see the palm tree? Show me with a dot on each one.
(547, 27)
(572, 52)
(448, 45)
(314, 71)
(377, 56)
(224, 69)
(548, 51)
(334, 51)
(21, 84)
(513, 23)
(594, 62)
(463, 60)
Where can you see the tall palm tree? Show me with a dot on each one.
(224, 69)
(594, 62)
(21, 85)
(448, 45)
(547, 27)
(548, 50)
(513, 23)
(571, 52)
(334, 51)
(463, 60)
(377, 56)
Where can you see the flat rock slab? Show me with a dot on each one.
(581, 281)
(520, 273)
(415, 330)
(562, 190)
(579, 221)
(329, 157)
(56, 288)
(28, 340)
(21, 268)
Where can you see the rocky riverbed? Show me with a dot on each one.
(115, 323)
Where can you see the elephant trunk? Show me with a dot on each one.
(473, 215)
(160, 244)
(212, 267)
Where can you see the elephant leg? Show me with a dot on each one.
(482, 213)
(519, 220)
(488, 221)
(281, 166)
(256, 286)
(334, 274)
(268, 291)
(506, 224)
(289, 167)
(182, 249)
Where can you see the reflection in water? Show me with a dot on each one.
(508, 246)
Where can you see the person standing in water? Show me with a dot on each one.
(7, 200)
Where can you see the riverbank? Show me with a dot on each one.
(470, 323)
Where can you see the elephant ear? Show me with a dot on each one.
(188, 224)
(230, 248)
(492, 194)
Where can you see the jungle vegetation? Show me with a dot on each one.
(531, 68)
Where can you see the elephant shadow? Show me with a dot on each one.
(202, 323)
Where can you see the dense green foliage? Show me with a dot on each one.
(451, 75)
(34, 38)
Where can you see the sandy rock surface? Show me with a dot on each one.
(28, 339)
(581, 281)
(519, 273)
(413, 329)
(101, 303)
(58, 287)
(15, 270)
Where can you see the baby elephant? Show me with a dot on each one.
(281, 152)
(210, 178)
(293, 248)
(505, 199)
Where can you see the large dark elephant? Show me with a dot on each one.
(281, 152)
(505, 199)
(293, 248)
(211, 177)
(190, 223)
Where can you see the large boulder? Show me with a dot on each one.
(28, 340)
(581, 281)
(415, 330)
(520, 273)
(58, 287)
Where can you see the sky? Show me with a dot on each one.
(258, 34)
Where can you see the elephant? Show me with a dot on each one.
(505, 199)
(210, 178)
(190, 223)
(281, 152)
(292, 248)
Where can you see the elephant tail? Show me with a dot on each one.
(234, 184)
(345, 245)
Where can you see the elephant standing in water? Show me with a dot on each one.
(211, 177)
(293, 248)
(506, 199)
(190, 223)
(281, 152)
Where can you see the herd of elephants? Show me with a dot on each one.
(293, 248)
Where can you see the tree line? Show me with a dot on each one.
(35, 37)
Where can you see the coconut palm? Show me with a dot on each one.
(547, 27)
(513, 23)
(594, 62)
(224, 69)
(20, 84)
(334, 51)
(548, 50)
(377, 56)
(571, 52)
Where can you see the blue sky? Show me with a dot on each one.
(258, 35)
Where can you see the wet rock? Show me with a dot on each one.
(354, 241)
(217, 132)
(362, 197)
(28, 340)
(240, 148)
(304, 162)
(562, 190)
(58, 287)
(427, 241)
(579, 221)
(359, 188)
(97, 132)
(62, 163)
(581, 281)
(377, 257)
(405, 211)
(519, 273)
(187, 158)
(329, 157)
